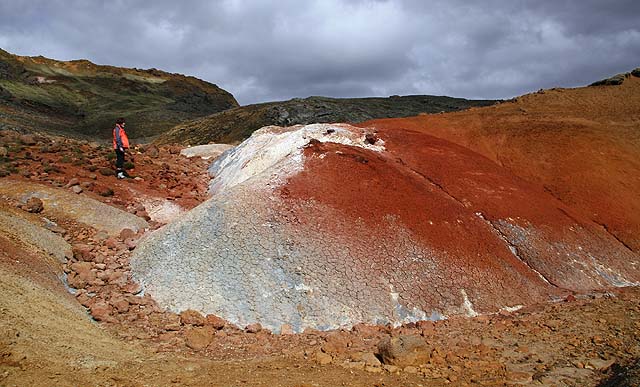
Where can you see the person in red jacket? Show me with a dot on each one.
(120, 143)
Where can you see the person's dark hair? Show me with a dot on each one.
(120, 121)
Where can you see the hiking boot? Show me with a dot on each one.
(120, 175)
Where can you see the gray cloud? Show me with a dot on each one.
(264, 50)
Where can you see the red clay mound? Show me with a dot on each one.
(581, 145)
(491, 232)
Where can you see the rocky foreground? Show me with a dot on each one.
(72, 313)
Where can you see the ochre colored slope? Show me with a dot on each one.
(582, 145)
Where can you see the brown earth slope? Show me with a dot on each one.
(582, 145)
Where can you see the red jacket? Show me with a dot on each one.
(120, 139)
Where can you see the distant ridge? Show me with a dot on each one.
(237, 124)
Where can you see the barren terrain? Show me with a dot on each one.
(74, 315)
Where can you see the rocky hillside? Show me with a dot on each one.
(237, 124)
(82, 99)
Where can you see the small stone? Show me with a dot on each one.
(390, 368)
(130, 243)
(132, 288)
(81, 267)
(199, 338)
(520, 377)
(82, 252)
(127, 233)
(215, 321)
(72, 182)
(600, 364)
(111, 243)
(121, 305)
(34, 205)
(370, 359)
(286, 329)
(410, 369)
(75, 281)
(404, 350)
(323, 358)
(192, 317)
(101, 311)
(253, 328)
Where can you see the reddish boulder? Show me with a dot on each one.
(101, 311)
(82, 252)
(198, 338)
(34, 205)
(120, 304)
(192, 317)
(253, 328)
(127, 233)
(404, 351)
(215, 321)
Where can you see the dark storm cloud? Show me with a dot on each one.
(264, 50)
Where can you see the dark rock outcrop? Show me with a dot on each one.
(237, 124)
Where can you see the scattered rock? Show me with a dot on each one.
(215, 321)
(76, 189)
(34, 205)
(131, 243)
(410, 369)
(82, 252)
(390, 368)
(132, 287)
(600, 364)
(72, 182)
(198, 338)
(121, 305)
(107, 172)
(152, 151)
(27, 139)
(101, 311)
(636, 72)
(286, 329)
(81, 267)
(127, 233)
(404, 350)
(192, 317)
(336, 342)
(370, 138)
(323, 358)
(253, 328)
(369, 359)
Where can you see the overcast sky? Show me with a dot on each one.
(275, 50)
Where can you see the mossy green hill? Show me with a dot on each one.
(81, 99)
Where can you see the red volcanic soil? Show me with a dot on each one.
(370, 187)
(581, 145)
(490, 230)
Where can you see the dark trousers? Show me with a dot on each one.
(119, 160)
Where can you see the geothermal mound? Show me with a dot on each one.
(325, 226)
